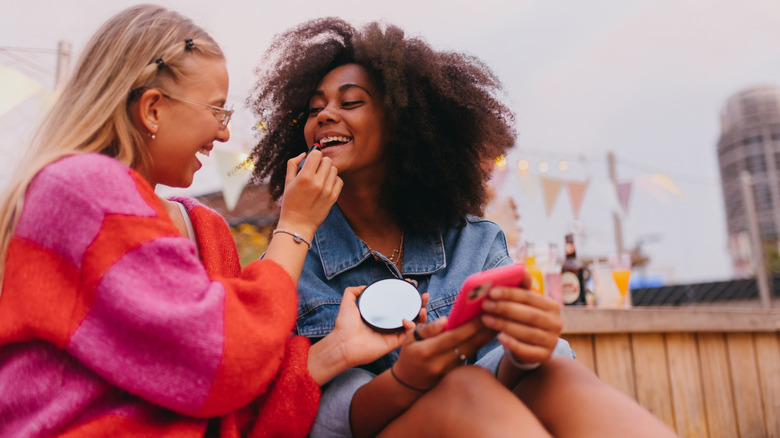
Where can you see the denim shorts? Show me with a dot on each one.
(333, 415)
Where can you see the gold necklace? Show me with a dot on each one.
(397, 252)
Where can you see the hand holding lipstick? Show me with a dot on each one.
(315, 146)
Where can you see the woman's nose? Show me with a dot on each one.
(327, 115)
(224, 134)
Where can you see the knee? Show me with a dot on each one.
(470, 385)
(566, 367)
(562, 370)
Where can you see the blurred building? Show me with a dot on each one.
(750, 141)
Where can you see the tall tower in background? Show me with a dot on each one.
(750, 141)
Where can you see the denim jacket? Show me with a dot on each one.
(339, 259)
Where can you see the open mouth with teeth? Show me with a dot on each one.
(327, 142)
(204, 151)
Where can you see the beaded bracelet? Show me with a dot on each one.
(413, 388)
(296, 236)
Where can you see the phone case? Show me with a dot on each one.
(468, 304)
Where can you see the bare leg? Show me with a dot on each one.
(468, 402)
(571, 401)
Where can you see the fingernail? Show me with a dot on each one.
(488, 320)
(495, 293)
(488, 304)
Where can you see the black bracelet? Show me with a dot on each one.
(392, 371)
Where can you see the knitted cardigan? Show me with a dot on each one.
(110, 325)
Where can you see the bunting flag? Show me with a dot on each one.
(624, 194)
(15, 88)
(530, 186)
(233, 174)
(576, 193)
(551, 188)
(662, 180)
(646, 182)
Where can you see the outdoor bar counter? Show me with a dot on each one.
(706, 372)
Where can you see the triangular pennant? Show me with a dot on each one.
(530, 186)
(664, 181)
(551, 187)
(606, 194)
(576, 193)
(624, 194)
(15, 88)
(233, 175)
(646, 183)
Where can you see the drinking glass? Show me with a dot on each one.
(620, 265)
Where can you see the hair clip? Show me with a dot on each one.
(160, 63)
(189, 44)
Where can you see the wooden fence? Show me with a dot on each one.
(705, 372)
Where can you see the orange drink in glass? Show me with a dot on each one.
(620, 265)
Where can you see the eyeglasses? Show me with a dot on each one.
(223, 115)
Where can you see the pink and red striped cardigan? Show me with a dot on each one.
(111, 325)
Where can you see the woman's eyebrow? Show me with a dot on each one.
(341, 89)
(348, 86)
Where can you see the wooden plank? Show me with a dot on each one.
(685, 379)
(651, 375)
(664, 320)
(614, 363)
(768, 356)
(583, 349)
(744, 377)
(716, 384)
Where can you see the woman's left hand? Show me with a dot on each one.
(359, 343)
(352, 342)
(528, 324)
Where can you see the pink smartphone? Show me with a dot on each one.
(468, 304)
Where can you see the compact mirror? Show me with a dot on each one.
(384, 304)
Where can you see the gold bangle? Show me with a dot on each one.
(296, 236)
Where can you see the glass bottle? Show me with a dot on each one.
(572, 276)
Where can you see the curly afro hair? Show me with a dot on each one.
(444, 119)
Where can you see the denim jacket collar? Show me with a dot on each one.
(340, 249)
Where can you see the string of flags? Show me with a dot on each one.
(615, 194)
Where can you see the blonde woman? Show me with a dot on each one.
(124, 313)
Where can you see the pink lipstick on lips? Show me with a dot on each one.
(313, 147)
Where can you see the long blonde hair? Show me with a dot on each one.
(92, 112)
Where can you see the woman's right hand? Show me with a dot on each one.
(424, 361)
(309, 194)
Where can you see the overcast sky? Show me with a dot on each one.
(645, 79)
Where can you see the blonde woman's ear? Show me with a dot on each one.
(148, 111)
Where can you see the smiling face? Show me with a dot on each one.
(183, 129)
(347, 119)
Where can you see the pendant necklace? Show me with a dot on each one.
(395, 258)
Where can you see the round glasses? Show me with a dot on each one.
(223, 115)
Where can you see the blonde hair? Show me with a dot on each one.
(92, 112)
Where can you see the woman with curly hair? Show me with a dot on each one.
(409, 130)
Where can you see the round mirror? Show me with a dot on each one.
(384, 304)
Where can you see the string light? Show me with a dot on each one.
(543, 167)
(523, 166)
(563, 166)
(501, 162)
